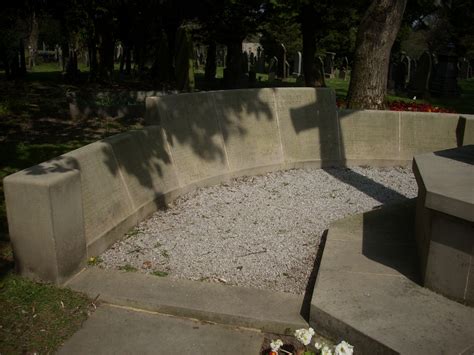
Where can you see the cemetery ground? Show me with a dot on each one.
(34, 127)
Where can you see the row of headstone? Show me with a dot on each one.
(430, 74)
(465, 70)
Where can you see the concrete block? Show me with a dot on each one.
(369, 134)
(450, 256)
(249, 126)
(106, 199)
(465, 130)
(45, 218)
(193, 135)
(445, 216)
(145, 164)
(422, 132)
(308, 124)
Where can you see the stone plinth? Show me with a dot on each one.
(445, 221)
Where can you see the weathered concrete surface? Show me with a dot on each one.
(112, 330)
(105, 197)
(448, 177)
(145, 164)
(445, 216)
(249, 126)
(45, 221)
(369, 133)
(366, 293)
(422, 132)
(308, 124)
(465, 130)
(246, 307)
(193, 135)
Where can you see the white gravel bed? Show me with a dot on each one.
(260, 231)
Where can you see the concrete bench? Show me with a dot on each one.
(75, 206)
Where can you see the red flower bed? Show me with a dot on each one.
(406, 106)
(418, 107)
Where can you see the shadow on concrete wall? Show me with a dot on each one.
(334, 155)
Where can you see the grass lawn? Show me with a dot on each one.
(37, 318)
(34, 127)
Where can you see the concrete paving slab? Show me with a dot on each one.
(112, 330)
(270, 311)
(372, 301)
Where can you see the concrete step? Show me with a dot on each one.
(268, 311)
(114, 330)
(367, 290)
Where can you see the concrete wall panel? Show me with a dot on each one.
(105, 197)
(308, 124)
(45, 221)
(249, 126)
(193, 135)
(422, 132)
(369, 134)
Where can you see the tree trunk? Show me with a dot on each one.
(33, 40)
(106, 54)
(22, 69)
(211, 66)
(377, 32)
(93, 64)
(233, 71)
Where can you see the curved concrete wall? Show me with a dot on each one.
(75, 206)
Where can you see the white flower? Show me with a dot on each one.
(276, 344)
(343, 348)
(304, 335)
(318, 346)
(326, 351)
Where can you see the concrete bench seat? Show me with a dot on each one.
(66, 210)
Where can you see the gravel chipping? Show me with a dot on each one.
(259, 231)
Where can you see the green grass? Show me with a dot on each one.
(128, 268)
(160, 273)
(37, 318)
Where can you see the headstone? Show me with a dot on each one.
(297, 64)
(445, 82)
(260, 60)
(184, 70)
(245, 62)
(406, 66)
(421, 82)
(318, 72)
(392, 69)
(329, 64)
(220, 55)
(252, 59)
(399, 75)
(118, 52)
(464, 66)
(345, 63)
(287, 69)
(272, 69)
(273, 66)
(342, 74)
(413, 69)
(281, 72)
